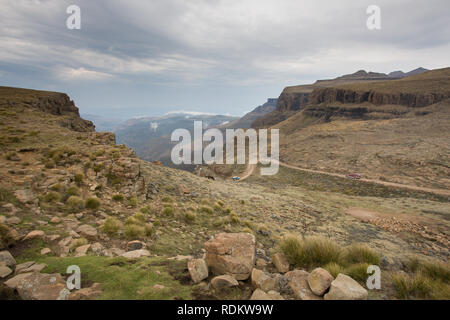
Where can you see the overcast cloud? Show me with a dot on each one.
(139, 57)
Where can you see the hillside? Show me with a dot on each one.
(383, 130)
(72, 196)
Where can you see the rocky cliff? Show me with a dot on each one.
(349, 96)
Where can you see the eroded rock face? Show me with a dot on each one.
(319, 281)
(232, 254)
(345, 288)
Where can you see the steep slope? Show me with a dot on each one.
(257, 113)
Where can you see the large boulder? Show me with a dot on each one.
(231, 253)
(298, 283)
(39, 286)
(345, 288)
(258, 294)
(87, 231)
(197, 269)
(319, 281)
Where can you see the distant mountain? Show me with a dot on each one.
(247, 120)
(150, 136)
(401, 74)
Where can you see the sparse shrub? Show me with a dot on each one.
(131, 220)
(156, 223)
(56, 187)
(78, 178)
(219, 222)
(205, 202)
(227, 210)
(247, 230)
(92, 203)
(72, 191)
(167, 199)
(133, 231)
(111, 226)
(52, 196)
(145, 210)
(220, 203)
(75, 203)
(234, 218)
(49, 164)
(133, 202)
(334, 269)
(168, 211)
(217, 208)
(149, 230)
(311, 251)
(139, 216)
(359, 253)
(190, 216)
(357, 271)
(97, 168)
(206, 209)
(118, 197)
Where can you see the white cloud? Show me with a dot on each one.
(68, 74)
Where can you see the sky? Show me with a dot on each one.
(146, 58)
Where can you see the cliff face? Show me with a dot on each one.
(348, 96)
(54, 103)
(292, 101)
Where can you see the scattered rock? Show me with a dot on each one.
(280, 262)
(4, 271)
(158, 287)
(136, 254)
(135, 245)
(87, 231)
(23, 266)
(45, 251)
(81, 251)
(345, 288)
(97, 248)
(7, 259)
(13, 220)
(197, 269)
(319, 281)
(231, 253)
(298, 282)
(223, 282)
(35, 267)
(258, 294)
(34, 235)
(55, 220)
(87, 293)
(275, 295)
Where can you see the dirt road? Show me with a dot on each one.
(443, 192)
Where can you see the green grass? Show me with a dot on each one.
(311, 251)
(359, 253)
(121, 279)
